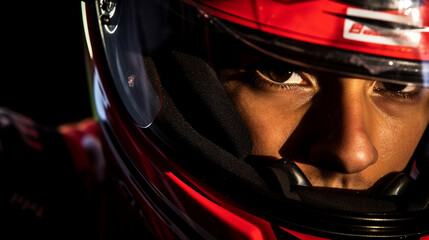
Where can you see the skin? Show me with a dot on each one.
(342, 132)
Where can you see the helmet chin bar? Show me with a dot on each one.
(281, 175)
(284, 176)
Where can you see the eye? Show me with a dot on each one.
(398, 88)
(282, 77)
(400, 92)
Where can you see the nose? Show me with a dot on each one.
(345, 144)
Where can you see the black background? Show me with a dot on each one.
(43, 70)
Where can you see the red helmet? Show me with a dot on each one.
(181, 149)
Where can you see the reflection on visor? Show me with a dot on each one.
(327, 59)
(133, 71)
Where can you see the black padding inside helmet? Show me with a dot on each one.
(200, 116)
(422, 153)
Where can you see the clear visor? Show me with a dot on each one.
(128, 47)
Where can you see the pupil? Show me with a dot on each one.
(394, 87)
(280, 76)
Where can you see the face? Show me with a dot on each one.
(342, 132)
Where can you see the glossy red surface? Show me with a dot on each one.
(324, 22)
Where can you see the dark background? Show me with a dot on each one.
(43, 70)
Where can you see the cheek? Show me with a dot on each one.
(270, 119)
(269, 133)
(403, 136)
(402, 126)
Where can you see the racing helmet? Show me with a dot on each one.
(180, 149)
